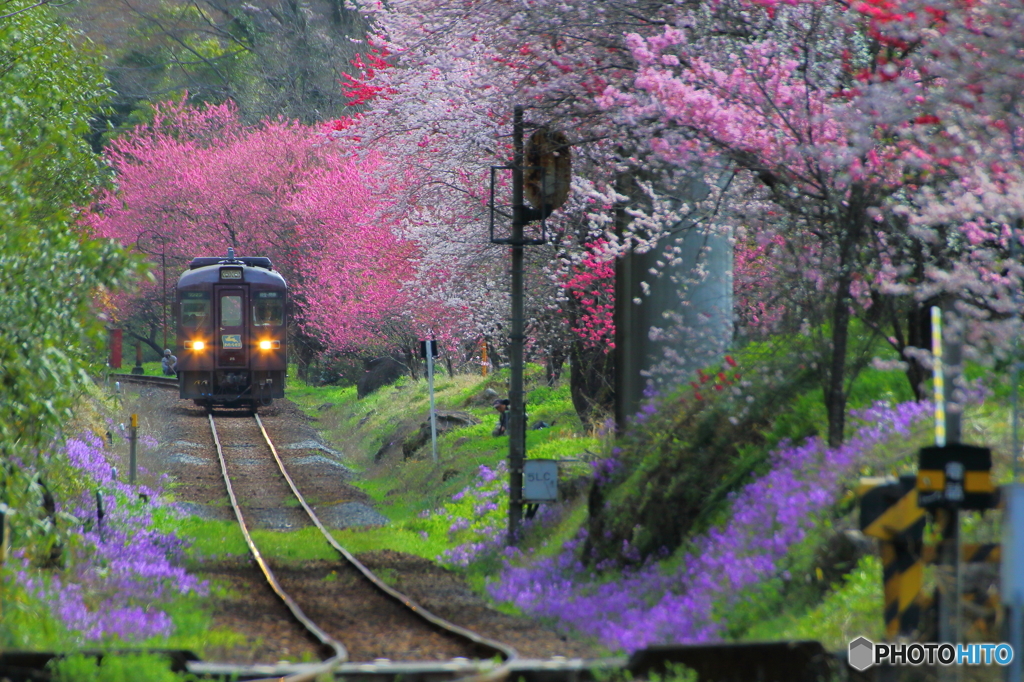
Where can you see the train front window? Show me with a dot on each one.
(231, 311)
(268, 312)
(194, 313)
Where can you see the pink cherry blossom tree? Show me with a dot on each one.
(440, 80)
(203, 182)
(810, 101)
(969, 215)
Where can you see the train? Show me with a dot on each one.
(232, 318)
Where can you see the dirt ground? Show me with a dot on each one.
(185, 453)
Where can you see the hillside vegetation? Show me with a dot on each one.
(761, 551)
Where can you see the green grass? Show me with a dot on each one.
(406, 488)
(121, 668)
(150, 369)
(850, 610)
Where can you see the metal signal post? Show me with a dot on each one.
(516, 423)
(549, 183)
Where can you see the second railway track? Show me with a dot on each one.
(352, 613)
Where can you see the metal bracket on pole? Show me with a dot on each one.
(528, 213)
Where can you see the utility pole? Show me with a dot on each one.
(516, 423)
(545, 182)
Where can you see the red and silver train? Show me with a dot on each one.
(232, 322)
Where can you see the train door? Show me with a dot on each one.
(233, 344)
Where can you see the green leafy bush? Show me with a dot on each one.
(50, 87)
(687, 450)
(110, 668)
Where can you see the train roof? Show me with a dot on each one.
(255, 270)
(251, 261)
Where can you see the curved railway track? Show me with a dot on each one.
(457, 639)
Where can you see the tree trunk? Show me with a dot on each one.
(835, 393)
(151, 342)
(592, 382)
(553, 367)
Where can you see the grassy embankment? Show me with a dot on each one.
(405, 489)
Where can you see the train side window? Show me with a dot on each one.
(267, 312)
(231, 311)
(194, 313)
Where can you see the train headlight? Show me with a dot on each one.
(194, 345)
(267, 345)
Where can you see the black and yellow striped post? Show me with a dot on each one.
(889, 512)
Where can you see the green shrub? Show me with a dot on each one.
(113, 668)
(690, 448)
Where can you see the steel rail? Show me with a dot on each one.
(503, 650)
(340, 652)
(166, 382)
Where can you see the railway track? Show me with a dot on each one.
(165, 382)
(366, 595)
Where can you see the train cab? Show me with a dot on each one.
(232, 324)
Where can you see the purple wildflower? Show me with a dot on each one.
(116, 581)
(769, 516)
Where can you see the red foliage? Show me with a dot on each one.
(592, 286)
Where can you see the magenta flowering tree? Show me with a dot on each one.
(202, 182)
(592, 286)
(969, 217)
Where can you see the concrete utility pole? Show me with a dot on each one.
(695, 285)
